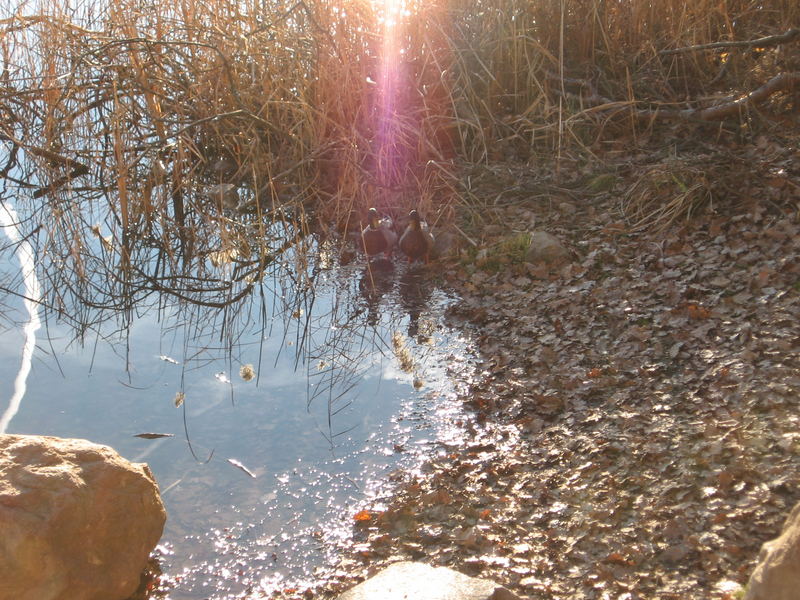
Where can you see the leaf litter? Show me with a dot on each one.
(636, 432)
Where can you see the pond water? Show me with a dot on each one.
(351, 391)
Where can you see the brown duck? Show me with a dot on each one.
(378, 236)
(417, 240)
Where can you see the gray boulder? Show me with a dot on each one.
(77, 520)
(411, 580)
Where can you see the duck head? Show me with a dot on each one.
(374, 221)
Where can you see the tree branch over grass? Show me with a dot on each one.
(771, 40)
(781, 82)
(732, 107)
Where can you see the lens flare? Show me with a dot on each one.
(389, 85)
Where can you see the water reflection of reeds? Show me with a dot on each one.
(179, 160)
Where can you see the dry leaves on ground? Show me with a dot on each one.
(637, 432)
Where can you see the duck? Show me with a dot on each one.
(378, 237)
(417, 240)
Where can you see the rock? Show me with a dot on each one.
(674, 554)
(442, 244)
(224, 168)
(78, 521)
(406, 580)
(567, 208)
(777, 574)
(546, 248)
(225, 194)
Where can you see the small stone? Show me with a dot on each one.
(546, 248)
(567, 208)
(674, 553)
(412, 580)
(720, 281)
(223, 193)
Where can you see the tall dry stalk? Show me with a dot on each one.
(119, 116)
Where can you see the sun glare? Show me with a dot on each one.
(391, 11)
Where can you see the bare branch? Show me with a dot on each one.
(729, 108)
(770, 40)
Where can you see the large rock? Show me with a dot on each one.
(777, 574)
(546, 248)
(418, 581)
(77, 521)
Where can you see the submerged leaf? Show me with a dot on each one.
(153, 436)
(363, 515)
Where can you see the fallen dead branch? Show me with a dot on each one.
(771, 40)
(733, 107)
(781, 82)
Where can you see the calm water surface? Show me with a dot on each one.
(329, 422)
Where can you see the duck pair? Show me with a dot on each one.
(378, 237)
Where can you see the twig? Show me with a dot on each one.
(465, 236)
(77, 167)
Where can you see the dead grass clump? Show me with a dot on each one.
(667, 193)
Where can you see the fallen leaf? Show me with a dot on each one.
(697, 312)
(240, 466)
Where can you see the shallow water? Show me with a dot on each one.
(330, 421)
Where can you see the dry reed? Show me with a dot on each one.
(122, 114)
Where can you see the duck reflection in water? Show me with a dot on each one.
(415, 293)
(376, 280)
